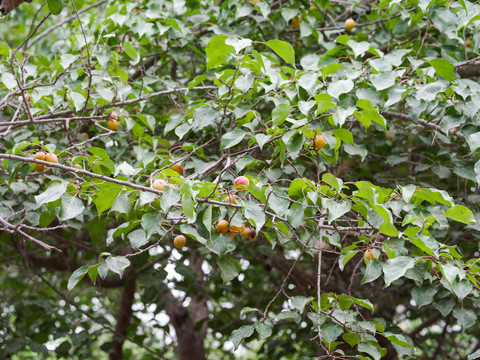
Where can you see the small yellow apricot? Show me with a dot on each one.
(51, 158)
(222, 226)
(178, 168)
(179, 241)
(349, 24)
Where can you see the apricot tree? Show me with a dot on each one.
(351, 233)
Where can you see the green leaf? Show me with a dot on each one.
(280, 113)
(333, 181)
(336, 210)
(369, 349)
(346, 255)
(424, 295)
(373, 272)
(324, 103)
(443, 68)
(238, 43)
(363, 302)
(76, 276)
(229, 268)
(388, 229)
(70, 208)
(217, 51)
(106, 197)
(396, 268)
(188, 209)
(121, 204)
(461, 214)
(289, 315)
(330, 332)
(232, 138)
(4, 50)
(299, 302)
(264, 329)
(93, 272)
(53, 193)
(473, 141)
(78, 100)
(131, 51)
(383, 80)
(339, 87)
(474, 355)
(169, 198)
(137, 238)
(247, 310)
(207, 219)
(425, 243)
(117, 264)
(465, 317)
(407, 192)
(445, 306)
(222, 245)
(462, 288)
(399, 339)
(255, 214)
(243, 332)
(351, 338)
(429, 92)
(283, 49)
(450, 271)
(55, 6)
(151, 223)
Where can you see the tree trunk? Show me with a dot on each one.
(124, 317)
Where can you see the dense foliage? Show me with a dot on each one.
(361, 244)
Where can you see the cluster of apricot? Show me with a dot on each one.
(223, 226)
(45, 157)
(158, 184)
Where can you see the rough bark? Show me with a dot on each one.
(469, 70)
(190, 342)
(190, 336)
(123, 320)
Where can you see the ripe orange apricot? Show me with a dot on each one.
(178, 168)
(40, 155)
(112, 124)
(85, 135)
(51, 158)
(40, 167)
(222, 226)
(295, 21)
(179, 241)
(160, 183)
(349, 24)
(249, 233)
(235, 229)
(369, 254)
(319, 142)
(241, 181)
